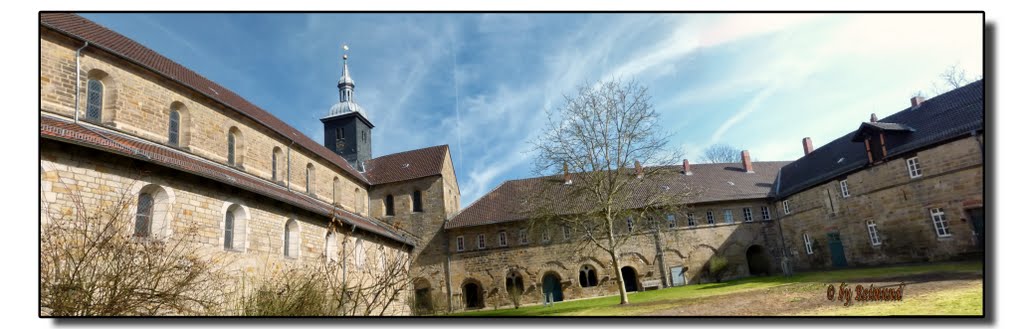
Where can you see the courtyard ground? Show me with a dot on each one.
(930, 289)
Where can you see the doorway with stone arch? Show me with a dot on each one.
(552, 284)
(629, 278)
(472, 295)
(758, 261)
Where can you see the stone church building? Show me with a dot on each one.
(116, 116)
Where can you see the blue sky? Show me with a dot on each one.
(481, 82)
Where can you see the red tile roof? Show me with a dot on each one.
(64, 130)
(406, 165)
(712, 182)
(100, 37)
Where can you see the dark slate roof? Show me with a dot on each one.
(948, 116)
(406, 165)
(61, 129)
(714, 181)
(100, 37)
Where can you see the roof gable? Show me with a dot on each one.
(407, 165)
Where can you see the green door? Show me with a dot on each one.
(835, 247)
(552, 288)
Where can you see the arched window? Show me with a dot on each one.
(588, 276)
(514, 283)
(358, 201)
(382, 258)
(360, 254)
(231, 149)
(331, 247)
(389, 205)
(234, 228)
(417, 201)
(275, 167)
(144, 216)
(173, 128)
(336, 191)
(310, 179)
(94, 100)
(291, 239)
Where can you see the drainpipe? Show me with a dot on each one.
(78, 77)
(447, 270)
(289, 166)
(787, 268)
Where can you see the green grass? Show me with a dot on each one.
(961, 301)
(650, 301)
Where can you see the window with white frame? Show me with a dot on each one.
(629, 223)
(566, 234)
(808, 244)
(765, 214)
(785, 206)
(481, 241)
(914, 167)
(844, 189)
(727, 216)
(690, 219)
(940, 222)
(873, 233)
(523, 238)
(710, 217)
(748, 215)
(671, 221)
(460, 243)
(502, 239)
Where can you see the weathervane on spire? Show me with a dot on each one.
(344, 47)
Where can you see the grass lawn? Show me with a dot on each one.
(965, 300)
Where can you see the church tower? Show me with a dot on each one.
(347, 130)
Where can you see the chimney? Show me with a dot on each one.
(565, 173)
(686, 167)
(749, 167)
(874, 118)
(639, 169)
(916, 101)
(808, 147)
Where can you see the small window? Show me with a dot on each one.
(310, 179)
(748, 215)
(785, 207)
(382, 258)
(481, 241)
(229, 231)
(331, 247)
(291, 239)
(765, 214)
(545, 235)
(629, 223)
(364, 135)
(914, 167)
(417, 201)
(710, 217)
(173, 127)
(671, 221)
(873, 233)
(144, 216)
(273, 165)
(94, 101)
(566, 233)
(940, 222)
(690, 220)
(652, 224)
(360, 254)
(727, 216)
(389, 205)
(460, 243)
(588, 276)
(502, 239)
(523, 238)
(844, 189)
(231, 149)
(336, 191)
(808, 245)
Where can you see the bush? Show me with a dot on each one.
(717, 266)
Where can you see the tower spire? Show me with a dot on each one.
(346, 86)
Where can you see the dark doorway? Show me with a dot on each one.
(552, 287)
(978, 224)
(423, 299)
(629, 278)
(758, 261)
(474, 295)
(835, 247)
(514, 283)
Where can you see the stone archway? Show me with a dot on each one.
(552, 284)
(758, 261)
(629, 279)
(472, 295)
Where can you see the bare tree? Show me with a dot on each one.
(598, 139)
(952, 78)
(93, 264)
(721, 153)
